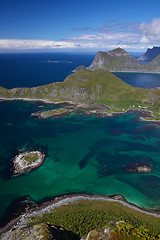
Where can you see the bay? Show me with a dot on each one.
(142, 80)
(84, 153)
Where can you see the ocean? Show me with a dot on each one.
(85, 154)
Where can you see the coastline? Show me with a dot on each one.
(25, 218)
(147, 113)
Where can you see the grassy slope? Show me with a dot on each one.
(97, 86)
(84, 216)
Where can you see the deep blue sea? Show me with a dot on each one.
(36, 69)
(84, 153)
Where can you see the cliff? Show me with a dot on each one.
(118, 60)
(150, 54)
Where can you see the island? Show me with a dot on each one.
(139, 168)
(27, 161)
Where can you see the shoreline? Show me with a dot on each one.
(95, 112)
(24, 218)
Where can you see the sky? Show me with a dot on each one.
(86, 25)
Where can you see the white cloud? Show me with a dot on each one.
(33, 44)
(131, 36)
(150, 31)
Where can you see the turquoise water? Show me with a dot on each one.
(84, 154)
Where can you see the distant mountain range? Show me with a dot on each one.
(150, 54)
(118, 60)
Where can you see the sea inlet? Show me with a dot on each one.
(85, 154)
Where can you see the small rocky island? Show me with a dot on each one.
(27, 161)
(139, 169)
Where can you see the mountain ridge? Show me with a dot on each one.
(150, 54)
(119, 60)
(93, 87)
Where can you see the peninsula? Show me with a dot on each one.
(94, 87)
(84, 216)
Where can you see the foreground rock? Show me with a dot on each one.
(27, 161)
(119, 230)
(113, 230)
(104, 233)
(40, 231)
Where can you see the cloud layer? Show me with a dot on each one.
(132, 36)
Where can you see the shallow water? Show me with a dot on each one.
(84, 154)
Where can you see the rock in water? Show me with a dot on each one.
(27, 161)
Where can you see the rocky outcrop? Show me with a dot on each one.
(80, 68)
(41, 231)
(56, 113)
(104, 233)
(150, 54)
(27, 161)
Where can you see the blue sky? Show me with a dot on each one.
(85, 25)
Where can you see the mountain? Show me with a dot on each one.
(150, 54)
(118, 60)
(93, 87)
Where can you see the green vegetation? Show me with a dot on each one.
(85, 215)
(98, 87)
(54, 112)
(30, 158)
(126, 231)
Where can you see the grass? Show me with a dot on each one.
(30, 158)
(53, 112)
(97, 86)
(85, 215)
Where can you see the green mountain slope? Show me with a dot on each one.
(118, 60)
(98, 87)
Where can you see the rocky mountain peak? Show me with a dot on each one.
(150, 54)
(118, 52)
